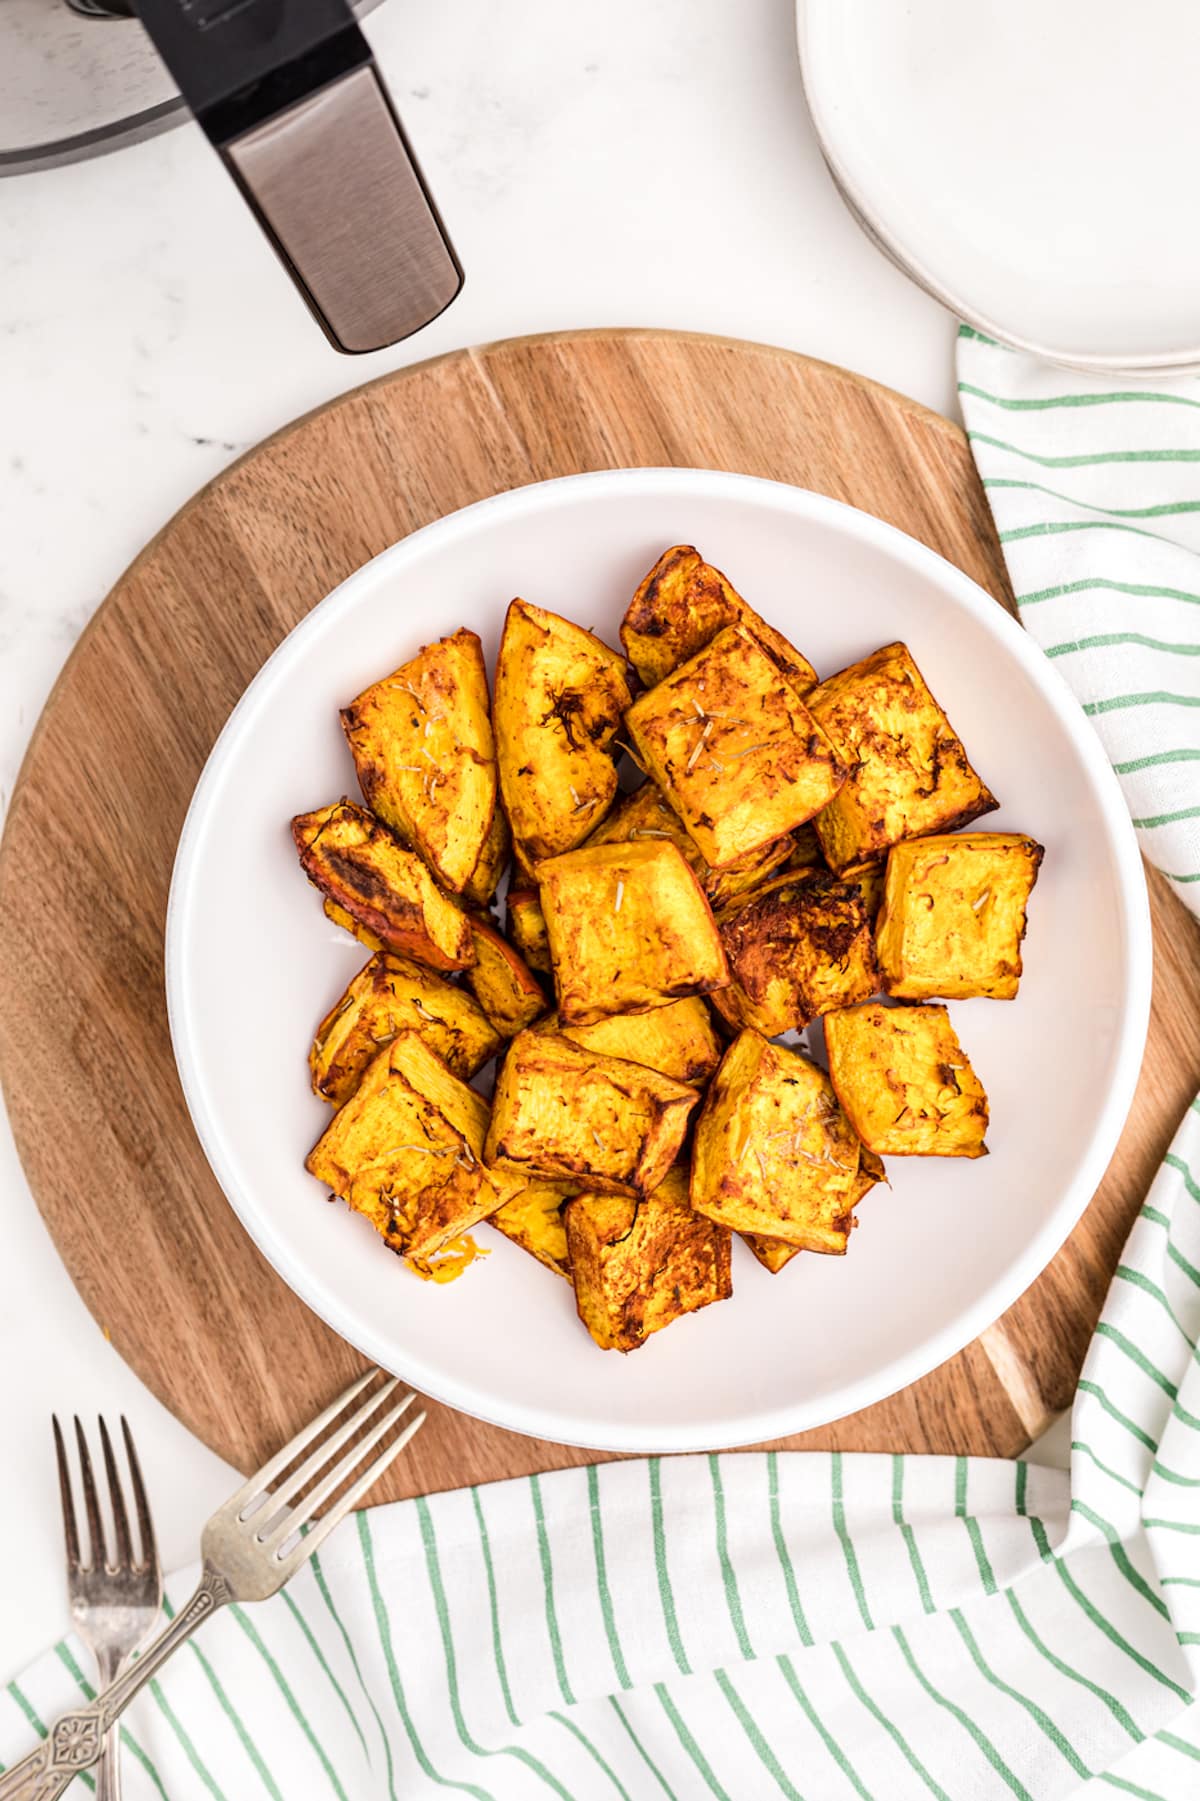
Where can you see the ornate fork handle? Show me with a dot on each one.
(75, 1740)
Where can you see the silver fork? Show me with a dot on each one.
(115, 1601)
(250, 1547)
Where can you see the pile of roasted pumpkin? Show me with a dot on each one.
(793, 850)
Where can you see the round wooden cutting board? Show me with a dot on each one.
(85, 864)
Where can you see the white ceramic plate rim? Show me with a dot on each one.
(1089, 362)
(617, 1434)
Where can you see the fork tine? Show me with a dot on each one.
(313, 1465)
(341, 1470)
(99, 1550)
(257, 1483)
(321, 1528)
(70, 1532)
(145, 1523)
(124, 1550)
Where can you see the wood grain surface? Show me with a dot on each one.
(85, 863)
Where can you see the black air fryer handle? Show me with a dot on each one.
(288, 93)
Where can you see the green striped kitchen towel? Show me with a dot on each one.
(1094, 483)
(739, 1626)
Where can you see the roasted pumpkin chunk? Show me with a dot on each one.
(391, 994)
(338, 916)
(909, 773)
(868, 879)
(681, 606)
(774, 1253)
(647, 814)
(502, 982)
(954, 915)
(798, 947)
(527, 928)
(629, 930)
(677, 1040)
(639, 1264)
(406, 1151)
(734, 748)
(364, 869)
(561, 1112)
(774, 1153)
(560, 695)
(534, 1220)
(480, 886)
(905, 1081)
(422, 744)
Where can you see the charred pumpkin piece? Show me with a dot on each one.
(422, 744)
(909, 773)
(806, 852)
(747, 874)
(629, 930)
(406, 1151)
(677, 1040)
(480, 887)
(774, 1253)
(338, 916)
(905, 1081)
(502, 982)
(527, 928)
(954, 915)
(734, 749)
(681, 606)
(647, 814)
(391, 994)
(774, 1153)
(364, 869)
(797, 948)
(560, 695)
(533, 1219)
(638, 1265)
(563, 1113)
(868, 879)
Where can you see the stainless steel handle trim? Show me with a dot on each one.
(338, 191)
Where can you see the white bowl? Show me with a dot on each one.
(252, 964)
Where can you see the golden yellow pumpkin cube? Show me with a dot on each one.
(647, 814)
(954, 915)
(406, 1151)
(681, 606)
(774, 1253)
(502, 982)
(905, 1082)
(734, 749)
(534, 1220)
(677, 1040)
(629, 930)
(391, 994)
(909, 773)
(364, 869)
(560, 695)
(527, 928)
(798, 947)
(774, 1153)
(566, 1114)
(639, 1264)
(422, 744)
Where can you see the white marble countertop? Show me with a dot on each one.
(641, 162)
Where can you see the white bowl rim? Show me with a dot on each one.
(1087, 362)
(616, 1434)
